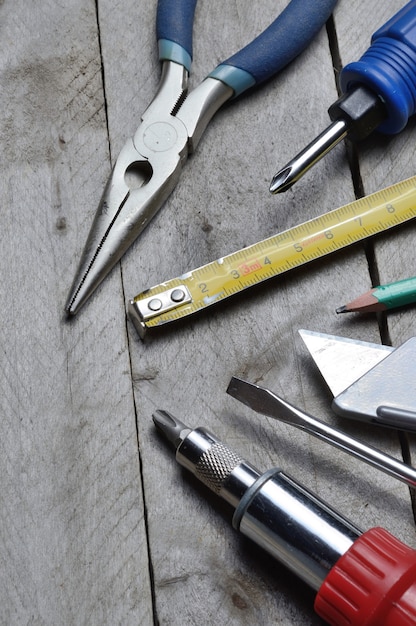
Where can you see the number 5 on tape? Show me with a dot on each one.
(216, 281)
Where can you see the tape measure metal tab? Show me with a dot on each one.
(220, 279)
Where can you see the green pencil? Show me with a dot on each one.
(385, 297)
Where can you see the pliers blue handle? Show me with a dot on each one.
(289, 34)
(150, 163)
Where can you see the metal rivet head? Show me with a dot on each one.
(155, 304)
(177, 295)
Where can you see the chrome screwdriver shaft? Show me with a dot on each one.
(378, 92)
(316, 150)
(271, 509)
(360, 578)
(267, 403)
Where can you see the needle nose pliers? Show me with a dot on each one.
(150, 163)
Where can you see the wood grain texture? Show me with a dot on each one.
(384, 160)
(73, 541)
(98, 523)
(220, 205)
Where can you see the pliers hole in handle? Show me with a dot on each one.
(138, 174)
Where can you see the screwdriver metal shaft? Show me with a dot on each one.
(272, 509)
(267, 403)
(379, 92)
(360, 578)
(316, 150)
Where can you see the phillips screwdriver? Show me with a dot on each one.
(379, 92)
(361, 579)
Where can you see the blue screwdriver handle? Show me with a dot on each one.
(388, 68)
(267, 54)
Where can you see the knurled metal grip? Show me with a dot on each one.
(216, 465)
(272, 509)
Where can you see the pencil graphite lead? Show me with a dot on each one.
(389, 296)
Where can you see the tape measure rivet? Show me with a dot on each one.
(155, 304)
(279, 253)
(177, 295)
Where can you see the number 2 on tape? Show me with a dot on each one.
(220, 279)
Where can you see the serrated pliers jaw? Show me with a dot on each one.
(147, 169)
(149, 166)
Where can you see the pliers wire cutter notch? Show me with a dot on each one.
(150, 163)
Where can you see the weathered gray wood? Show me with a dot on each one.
(220, 205)
(384, 161)
(73, 541)
(78, 444)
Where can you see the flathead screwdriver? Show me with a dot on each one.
(267, 403)
(379, 92)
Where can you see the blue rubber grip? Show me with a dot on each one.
(174, 23)
(277, 46)
(389, 69)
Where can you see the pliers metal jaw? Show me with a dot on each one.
(147, 170)
(150, 163)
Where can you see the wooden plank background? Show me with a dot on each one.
(98, 524)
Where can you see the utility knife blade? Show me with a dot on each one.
(370, 382)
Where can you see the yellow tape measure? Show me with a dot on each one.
(216, 281)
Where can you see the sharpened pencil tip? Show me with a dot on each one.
(341, 309)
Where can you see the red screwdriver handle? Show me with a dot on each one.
(372, 584)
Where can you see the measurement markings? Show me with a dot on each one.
(292, 248)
